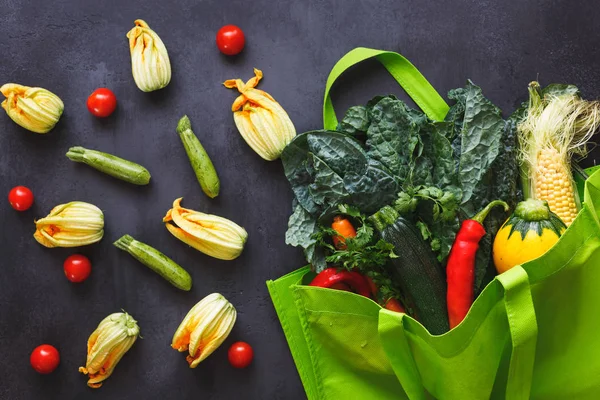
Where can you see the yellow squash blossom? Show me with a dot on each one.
(262, 122)
(33, 108)
(204, 328)
(70, 225)
(212, 235)
(150, 63)
(113, 337)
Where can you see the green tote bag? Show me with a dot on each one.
(533, 333)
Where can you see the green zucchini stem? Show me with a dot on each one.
(124, 242)
(184, 124)
(76, 154)
(384, 217)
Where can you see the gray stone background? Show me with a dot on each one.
(73, 47)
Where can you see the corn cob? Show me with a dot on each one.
(553, 183)
(556, 128)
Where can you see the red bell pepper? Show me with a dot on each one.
(332, 278)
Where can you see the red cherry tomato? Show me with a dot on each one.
(77, 268)
(240, 355)
(102, 102)
(44, 358)
(20, 198)
(230, 40)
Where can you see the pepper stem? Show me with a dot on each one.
(480, 216)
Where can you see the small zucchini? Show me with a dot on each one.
(201, 163)
(111, 165)
(156, 261)
(527, 234)
(416, 271)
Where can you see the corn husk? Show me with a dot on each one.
(556, 128)
(204, 328)
(261, 121)
(33, 108)
(150, 63)
(113, 337)
(215, 236)
(70, 225)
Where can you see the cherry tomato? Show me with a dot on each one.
(230, 40)
(77, 268)
(20, 198)
(102, 102)
(44, 358)
(240, 355)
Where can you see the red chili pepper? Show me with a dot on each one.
(331, 277)
(460, 269)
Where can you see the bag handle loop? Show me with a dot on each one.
(406, 74)
(523, 332)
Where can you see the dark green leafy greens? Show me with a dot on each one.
(435, 173)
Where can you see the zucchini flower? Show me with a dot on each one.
(215, 236)
(262, 122)
(33, 108)
(149, 58)
(107, 345)
(70, 225)
(204, 328)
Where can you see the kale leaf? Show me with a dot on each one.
(481, 132)
(355, 122)
(393, 137)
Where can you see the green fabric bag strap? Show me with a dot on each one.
(409, 78)
(396, 346)
(523, 332)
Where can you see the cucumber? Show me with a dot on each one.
(201, 163)
(111, 165)
(416, 271)
(156, 261)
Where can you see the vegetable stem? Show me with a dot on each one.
(384, 217)
(480, 216)
(124, 242)
(76, 154)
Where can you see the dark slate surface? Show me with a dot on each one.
(73, 47)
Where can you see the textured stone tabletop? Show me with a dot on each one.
(73, 47)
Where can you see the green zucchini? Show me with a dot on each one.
(201, 163)
(111, 165)
(416, 271)
(156, 261)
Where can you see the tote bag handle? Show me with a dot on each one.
(406, 74)
(523, 331)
